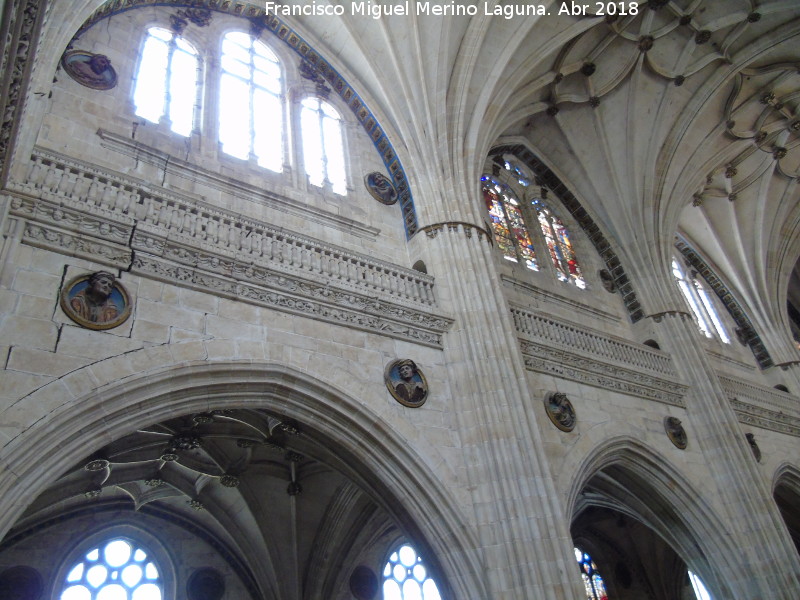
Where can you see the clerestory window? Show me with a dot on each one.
(118, 569)
(592, 581)
(323, 147)
(405, 577)
(251, 101)
(515, 209)
(167, 80)
(700, 303)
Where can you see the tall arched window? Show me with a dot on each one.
(592, 581)
(406, 578)
(251, 105)
(698, 300)
(323, 147)
(508, 224)
(565, 262)
(699, 588)
(512, 222)
(118, 569)
(167, 80)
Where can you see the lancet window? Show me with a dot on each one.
(522, 223)
(251, 105)
(167, 80)
(323, 151)
(592, 580)
(254, 113)
(700, 303)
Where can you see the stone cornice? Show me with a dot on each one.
(587, 356)
(578, 368)
(133, 229)
(763, 406)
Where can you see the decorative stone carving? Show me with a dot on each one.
(205, 584)
(230, 481)
(560, 410)
(363, 583)
(406, 382)
(91, 70)
(751, 439)
(675, 432)
(380, 187)
(96, 301)
(607, 280)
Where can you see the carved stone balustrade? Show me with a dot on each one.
(763, 406)
(582, 354)
(74, 208)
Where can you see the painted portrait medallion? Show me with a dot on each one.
(96, 301)
(92, 70)
(406, 382)
(380, 188)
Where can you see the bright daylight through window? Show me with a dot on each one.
(251, 108)
(166, 82)
(115, 570)
(406, 578)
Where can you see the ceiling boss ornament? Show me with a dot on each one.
(670, 40)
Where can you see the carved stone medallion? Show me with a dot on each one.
(92, 70)
(96, 301)
(751, 439)
(675, 432)
(406, 382)
(380, 188)
(560, 411)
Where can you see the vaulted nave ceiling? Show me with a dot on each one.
(680, 118)
(683, 117)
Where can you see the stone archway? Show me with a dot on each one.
(372, 454)
(786, 491)
(627, 485)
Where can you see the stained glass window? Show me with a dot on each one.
(565, 262)
(592, 581)
(697, 298)
(167, 80)
(508, 223)
(251, 105)
(115, 570)
(323, 148)
(405, 577)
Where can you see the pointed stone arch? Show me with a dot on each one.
(786, 491)
(626, 476)
(116, 401)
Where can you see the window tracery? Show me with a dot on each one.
(117, 569)
(405, 577)
(592, 581)
(323, 148)
(251, 105)
(512, 222)
(167, 80)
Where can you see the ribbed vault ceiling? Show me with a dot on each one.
(683, 117)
